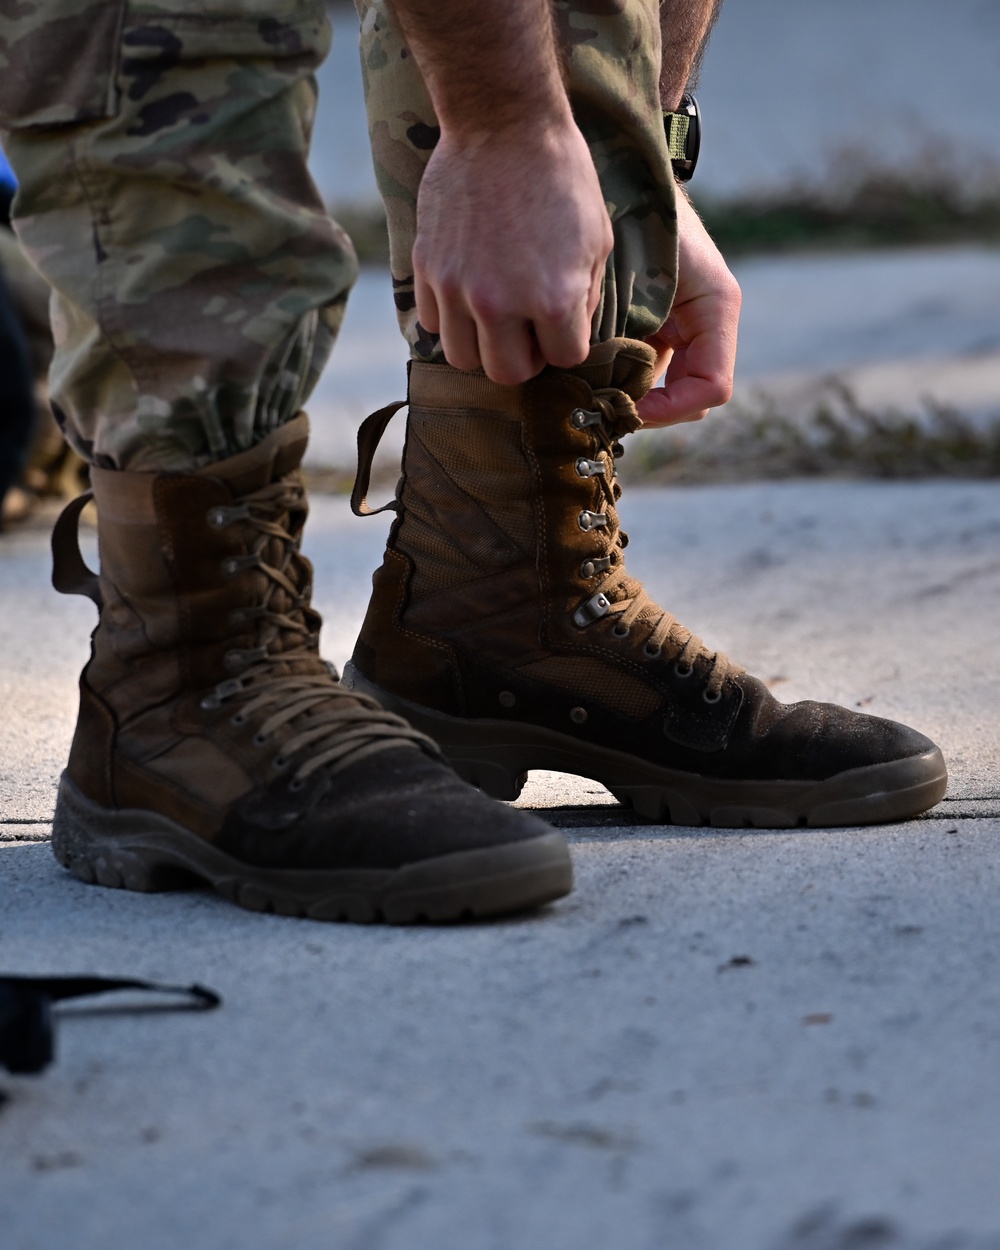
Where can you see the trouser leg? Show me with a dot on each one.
(164, 195)
(612, 65)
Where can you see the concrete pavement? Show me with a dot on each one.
(721, 1041)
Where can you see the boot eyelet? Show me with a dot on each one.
(587, 569)
(591, 609)
(683, 670)
(621, 631)
(296, 784)
(237, 659)
(580, 418)
(259, 740)
(507, 698)
(236, 564)
(218, 518)
(578, 715)
(588, 520)
(279, 763)
(238, 719)
(711, 698)
(210, 703)
(652, 652)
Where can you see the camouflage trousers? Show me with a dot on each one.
(198, 283)
(611, 54)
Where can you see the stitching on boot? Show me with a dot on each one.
(399, 607)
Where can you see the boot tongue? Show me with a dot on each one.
(266, 462)
(626, 364)
(633, 369)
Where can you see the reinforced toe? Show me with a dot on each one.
(141, 850)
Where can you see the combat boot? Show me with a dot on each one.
(215, 744)
(504, 623)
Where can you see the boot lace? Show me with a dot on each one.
(619, 595)
(282, 674)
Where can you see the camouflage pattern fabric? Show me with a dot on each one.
(611, 50)
(160, 150)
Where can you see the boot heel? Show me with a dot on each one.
(490, 777)
(91, 854)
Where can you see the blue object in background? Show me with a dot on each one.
(7, 179)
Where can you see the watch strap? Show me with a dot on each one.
(683, 133)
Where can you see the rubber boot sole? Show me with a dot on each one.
(141, 850)
(497, 755)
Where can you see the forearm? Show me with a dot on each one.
(512, 233)
(686, 26)
(503, 69)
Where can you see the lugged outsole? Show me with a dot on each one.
(497, 755)
(140, 850)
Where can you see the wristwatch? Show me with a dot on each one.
(683, 130)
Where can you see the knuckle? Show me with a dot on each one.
(448, 287)
(487, 305)
(559, 305)
(461, 360)
(721, 393)
(568, 354)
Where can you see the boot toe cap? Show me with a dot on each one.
(396, 807)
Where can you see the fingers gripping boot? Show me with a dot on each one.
(504, 623)
(215, 743)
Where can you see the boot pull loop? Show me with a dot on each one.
(70, 574)
(369, 436)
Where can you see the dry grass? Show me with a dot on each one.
(837, 436)
(860, 201)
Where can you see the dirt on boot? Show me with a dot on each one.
(215, 745)
(505, 624)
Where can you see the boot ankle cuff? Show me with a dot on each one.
(441, 386)
(628, 364)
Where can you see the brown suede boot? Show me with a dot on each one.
(504, 623)
(214, 743)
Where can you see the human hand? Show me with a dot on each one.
(697, 343)
(512, 239)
